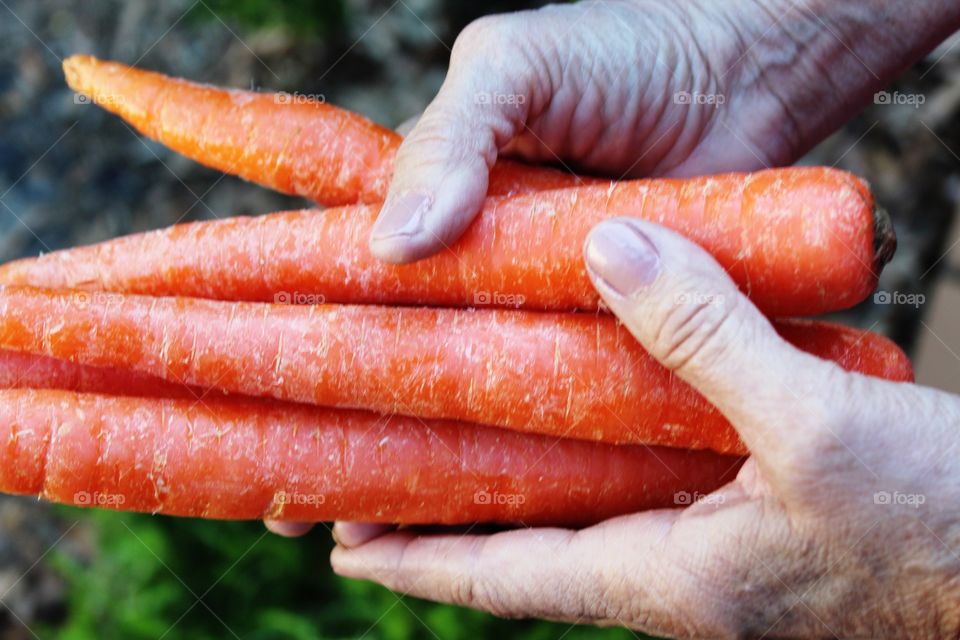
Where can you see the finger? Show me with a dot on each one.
(442, 167)
(687, 312)
(544, 573)
(353, 534)
(288, 529)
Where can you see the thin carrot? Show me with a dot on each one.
(298, 146)
(573, 375)
(233, 459)
(798, 241)
(28, 371)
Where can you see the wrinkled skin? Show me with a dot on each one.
(843, 521)
(597, 86)
(802, 543)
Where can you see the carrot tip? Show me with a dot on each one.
(71, 71)
(884, 239)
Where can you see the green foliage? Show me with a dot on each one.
(301, 17)
(147, 573)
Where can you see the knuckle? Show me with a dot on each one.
(508, 591)
(695, 331)
(483, 33)
(439, 138)
(463, 591)
(493, 595)
(485, 589)
(491, 47)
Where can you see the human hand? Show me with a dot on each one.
(842, 522)
(633, 88)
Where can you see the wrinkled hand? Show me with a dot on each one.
(630, 88)
(843, 522)
(591, 85)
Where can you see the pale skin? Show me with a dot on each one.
(843, 519)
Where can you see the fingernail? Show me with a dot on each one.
(403, 215)
(354, 534)
(289, 529)
(622, 257)
(345, 564)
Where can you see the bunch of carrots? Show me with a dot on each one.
(173, 372)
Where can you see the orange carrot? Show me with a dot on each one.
(28, 371)
(798, 241)
(572, 375)
(234, 459)
(298, 146)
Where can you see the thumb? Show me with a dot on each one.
(443, 165)
(687, 312)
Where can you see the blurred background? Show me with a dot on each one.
(72, 174)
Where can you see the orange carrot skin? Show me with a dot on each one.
(853, 349)
(28, 371)
(572, 375)
(798, 241)
(232, 459)
(300, 147)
